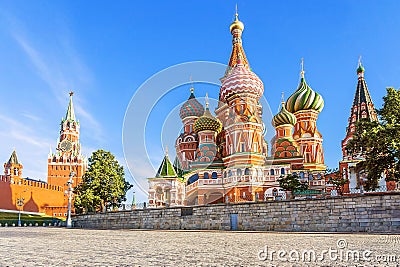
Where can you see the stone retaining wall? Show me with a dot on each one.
(370, 213)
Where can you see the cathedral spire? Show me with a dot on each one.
(363, 107)
(236, 29)
(302, 68)
(70, 111)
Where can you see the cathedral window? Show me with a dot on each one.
(214, 175)
(282, 171)
(239, 172)
(242, 145)
(272, 171)
(247, 171)
(205, 175)
(15, 171)
(230, 173)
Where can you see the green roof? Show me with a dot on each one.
(166, 169)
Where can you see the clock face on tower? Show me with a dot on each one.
(66, 146)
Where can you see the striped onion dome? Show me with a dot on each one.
(304, 98)
(241, 80)
(191, 107)
(283, 117)
(207, 122)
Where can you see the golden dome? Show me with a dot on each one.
(236, 24)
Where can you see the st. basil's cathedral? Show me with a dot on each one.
(225, 158)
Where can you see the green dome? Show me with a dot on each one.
(207, 122)
(283, 117)
(304, 98)
(360, 68)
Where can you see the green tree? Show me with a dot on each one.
(103, 185)
(336, 178)
(378, 142)
(291, 182)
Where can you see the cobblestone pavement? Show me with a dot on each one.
(34, 246)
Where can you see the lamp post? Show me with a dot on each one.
(70, 193)
(20, 203)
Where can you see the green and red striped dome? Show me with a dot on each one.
(191, 107)
(283, 117)
(304, 98)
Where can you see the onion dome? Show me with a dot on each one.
(191, 107)
(360, 68)
(207, 122)
(236, 24)
(304, 98)
(241, 80)
(283, 117)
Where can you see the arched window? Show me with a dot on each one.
(239, 172)
(15, 171)
(282, 171)
(272, 171)
(230, 173)
(214, 175)
(193, 178)
(247, 171)
(301, 175)
(310, 177)
(206, 175)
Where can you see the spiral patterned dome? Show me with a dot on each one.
(304, 98)
(207, 122)
(191, 107)
(241, 80)
(283, 117)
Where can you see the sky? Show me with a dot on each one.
(106, 51)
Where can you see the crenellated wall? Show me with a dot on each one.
(38, 196)
(369, 213)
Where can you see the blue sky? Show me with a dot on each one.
(104, 51)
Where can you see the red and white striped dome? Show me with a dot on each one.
(241, 81)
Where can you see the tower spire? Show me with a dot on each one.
(302, 68)
(363, 107)
(207, 101)
(70, 111)
(236, 28)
